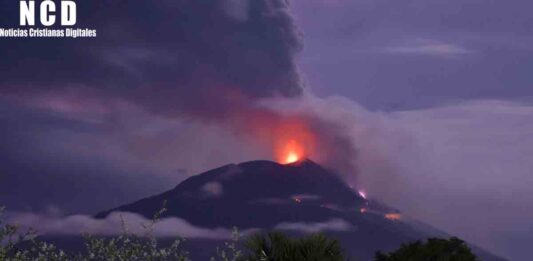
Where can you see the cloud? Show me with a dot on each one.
(112, 225)
(470, 158)
(49, 224)
(238, 9)
(146, 97)
(123, 103)
(462, 167)
(305, 197)
(330, 225)
(426, 47)
(213, 189)
(177, 61)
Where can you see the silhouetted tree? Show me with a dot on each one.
(278, 247)
(433, 249)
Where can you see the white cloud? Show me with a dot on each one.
(427, 47)
(464, 168)
(335, 224)
(213, 189)
(306, 197)
(112, 225)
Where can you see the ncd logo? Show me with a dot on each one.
(47, 12)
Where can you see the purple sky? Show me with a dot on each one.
(434, 95)
(400, 55)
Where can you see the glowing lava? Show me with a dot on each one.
(393, 216)
(291, 152)
(293, 140)
(291, 158)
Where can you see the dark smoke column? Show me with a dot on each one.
(172, 57)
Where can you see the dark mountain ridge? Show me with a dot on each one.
(253, 194)
(264, 194)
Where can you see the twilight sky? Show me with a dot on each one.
(410, 54)
(429, 101)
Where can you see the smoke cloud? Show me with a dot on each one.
(462, 168)
(206, 63)
(162, 83)
(183, 57)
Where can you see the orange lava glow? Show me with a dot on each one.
(294, 141)
(292, 157)
(292, 152)
(393, 216)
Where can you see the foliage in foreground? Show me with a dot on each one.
(279, 247)
(452, 249)
(271, 247)
(125, 247)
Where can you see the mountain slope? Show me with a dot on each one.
(253, 194)
(295, 197)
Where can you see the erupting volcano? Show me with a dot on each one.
(296, 198)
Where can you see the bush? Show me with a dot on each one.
(452, 249)
(278, 247)
(126, 247)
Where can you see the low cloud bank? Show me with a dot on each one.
(120, 222)
(112, 225)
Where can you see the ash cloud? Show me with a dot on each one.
(168, 56)
(462, 168)
(207, 63)
(137, 99)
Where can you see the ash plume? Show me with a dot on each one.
(171, 57)
(212, 62)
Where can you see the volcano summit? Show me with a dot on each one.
(298, 198)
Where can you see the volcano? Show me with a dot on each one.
(257, 194)
(299, 197)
